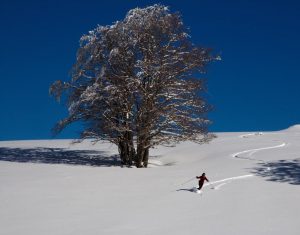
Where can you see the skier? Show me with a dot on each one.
(201, 178)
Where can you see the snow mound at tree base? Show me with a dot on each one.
(158, 163)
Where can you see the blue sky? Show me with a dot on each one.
(254, 87)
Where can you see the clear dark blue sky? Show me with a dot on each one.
(255, 86)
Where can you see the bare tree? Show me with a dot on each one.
(134, 83)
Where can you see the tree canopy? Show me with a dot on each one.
(135, 84)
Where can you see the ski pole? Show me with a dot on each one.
(188, 181)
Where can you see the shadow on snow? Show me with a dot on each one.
(287, 171)
(59, 156)
(187, 189)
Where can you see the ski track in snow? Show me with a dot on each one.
(219, 186)
(249, 153)
(251, 134)
(227, 180)
(252, 151)
(215, 184)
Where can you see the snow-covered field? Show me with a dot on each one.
(54, 187)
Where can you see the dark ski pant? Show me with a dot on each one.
(200, 185)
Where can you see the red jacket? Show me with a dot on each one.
(202, 178)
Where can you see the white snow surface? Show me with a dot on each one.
(56, 187)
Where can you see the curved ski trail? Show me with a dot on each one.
(252, 151)
(249, 153)
(226, 180)
(248, 157)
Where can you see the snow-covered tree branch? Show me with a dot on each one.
(134, 84)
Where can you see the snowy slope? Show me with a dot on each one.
(55, 187)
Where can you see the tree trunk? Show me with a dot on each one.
(126, 149)
(146, 157)
(139, 155)
(131, 150)
(122, 152)
(142, 154)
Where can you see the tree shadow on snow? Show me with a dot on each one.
(59, 156)
(287, 171)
